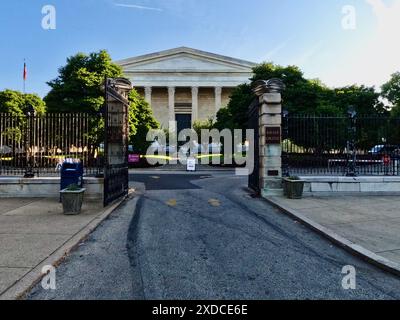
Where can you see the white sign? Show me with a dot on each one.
(191, 164)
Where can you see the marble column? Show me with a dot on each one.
(218, 99)
(195, 104)
(171, 105)
(147, 94)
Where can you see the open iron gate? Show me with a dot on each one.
(116, 170)
(253, 123)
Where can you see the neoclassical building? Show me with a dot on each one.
(184, 84)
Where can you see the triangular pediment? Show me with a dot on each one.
(185, 60)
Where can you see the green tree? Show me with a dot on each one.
(141, 120)
(234, 116)
(391, 91)
(78, 88)
(302, 96)
(364, 99)
(17, 103)
(200, 125)
(310, 97)
(78, 85)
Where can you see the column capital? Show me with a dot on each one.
(218, 90)
(195, 90)
(171, 90)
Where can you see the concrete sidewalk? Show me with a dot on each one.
(368, 222)
(33, 233)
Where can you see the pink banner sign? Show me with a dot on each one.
(134, 158)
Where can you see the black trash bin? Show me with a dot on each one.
(71, 174)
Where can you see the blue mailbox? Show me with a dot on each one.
(71, 173)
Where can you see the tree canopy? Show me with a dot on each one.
(18, 103)
(141, 120)
(234, 116)
(78, 88)
(78, 85)
(302, 96)
(391, 91)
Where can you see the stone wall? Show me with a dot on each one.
(331, 186)
(15, 187)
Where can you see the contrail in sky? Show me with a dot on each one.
(135, 6)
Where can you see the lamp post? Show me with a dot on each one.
(100, 143)
(30, 115)
(285, 143)
(351, 170)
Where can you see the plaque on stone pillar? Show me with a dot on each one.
(273, 173)
(273, 135)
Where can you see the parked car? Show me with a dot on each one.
(195, 149)
(5, 150)
(385, 150)
(170, 149)
(215, 148)
(155, 147)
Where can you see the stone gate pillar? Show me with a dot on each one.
(270, 133)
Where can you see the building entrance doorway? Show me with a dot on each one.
(183, 121)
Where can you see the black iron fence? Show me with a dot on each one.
(353, 145)
(39, 144)
(116, 169)
(253, 123)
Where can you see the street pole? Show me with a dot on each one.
(30, 115)
(351, 143)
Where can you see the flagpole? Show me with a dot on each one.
(24, 76)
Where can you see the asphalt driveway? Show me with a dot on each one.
(209, 240)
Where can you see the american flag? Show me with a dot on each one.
(25, 72)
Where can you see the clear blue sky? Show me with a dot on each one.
(308, 33)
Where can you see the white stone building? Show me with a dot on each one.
(184, 84)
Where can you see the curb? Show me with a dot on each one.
(19, 290)
(344, 243)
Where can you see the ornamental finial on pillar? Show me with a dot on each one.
(273, 85)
